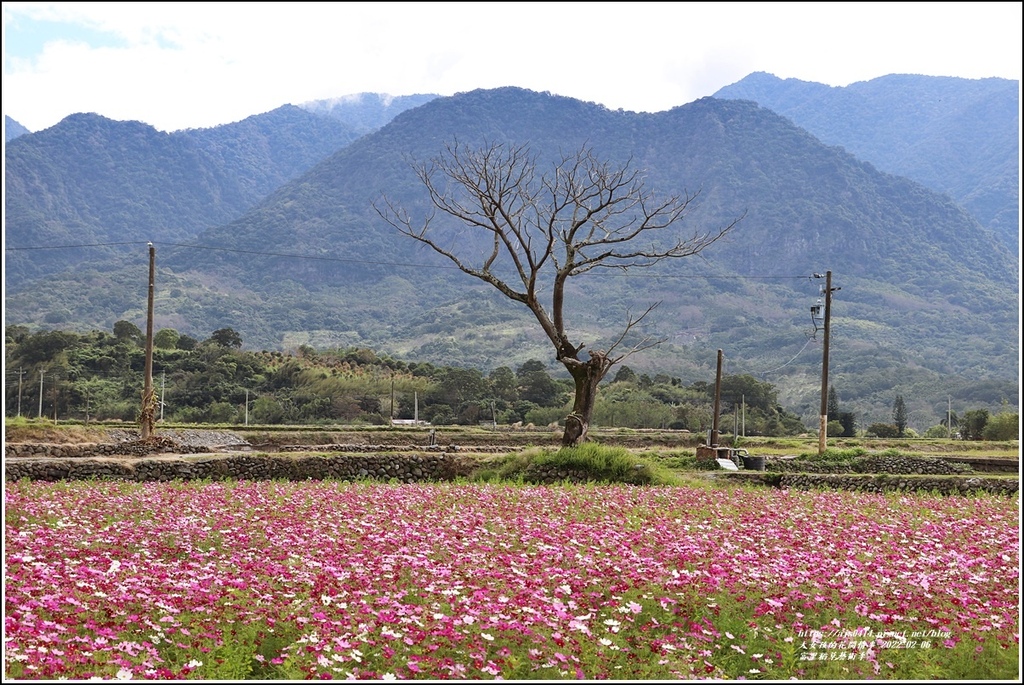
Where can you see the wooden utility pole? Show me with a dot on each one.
(148, 398)
(718, 402)
(823, 425)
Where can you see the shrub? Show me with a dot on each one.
(1002, 426)
(600, 463)
(937, 431)
(883, 430)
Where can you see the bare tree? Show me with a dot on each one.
(540, 230)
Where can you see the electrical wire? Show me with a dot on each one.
(639, 273)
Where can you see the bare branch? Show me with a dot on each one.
(586, 213)
(644, 344)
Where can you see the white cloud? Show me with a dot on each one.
(179, 65)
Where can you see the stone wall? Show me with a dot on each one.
(401, 467)
(920, 466)
(945, 486)
(132, 448)
(143, 462)
(955, 485)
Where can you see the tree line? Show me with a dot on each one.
(975, 424)
(99, 376)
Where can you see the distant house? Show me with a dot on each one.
(409, 422)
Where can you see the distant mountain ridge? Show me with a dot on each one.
(91, 180)
(927, 292)
(12, 129)
(929, 302)
(957, 136)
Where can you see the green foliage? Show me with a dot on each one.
(535, 384)
(899, 415)
(937, 431)
(972, 425)
(1003, 426)
(600, 463)
(127, 331)
(834, 455)
(882, 430)
(226, 337)
(100, 377)
(166, 339)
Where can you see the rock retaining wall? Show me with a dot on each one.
(405, 468)
(957, 485)
(164, 445)
(921, 466)
(134, 448)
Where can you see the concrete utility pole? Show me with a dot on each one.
(718, 402)
(21, 372)
(40, 394)
(949, 417)
(823, 425)
(148, 399)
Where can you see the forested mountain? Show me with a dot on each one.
(957, 136)
(928, 306)
(90, 180)
(12, 129)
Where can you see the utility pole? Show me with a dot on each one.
(735, 423)
(21, 372)
(40, 394)
(743, 402)
(718, 402)
(949, 417)
(163, 381)
(247, 407)
(823, 425)
(54, 399)
(148, 401)
(392, 399)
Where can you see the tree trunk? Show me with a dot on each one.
(586, 375)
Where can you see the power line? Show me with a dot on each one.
(64, 247)
(638, 273)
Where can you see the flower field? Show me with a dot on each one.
(323, 580)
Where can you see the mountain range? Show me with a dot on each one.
(267, 226)
(958, 136)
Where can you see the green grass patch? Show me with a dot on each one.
(600, 463)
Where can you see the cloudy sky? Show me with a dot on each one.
(192, 65)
